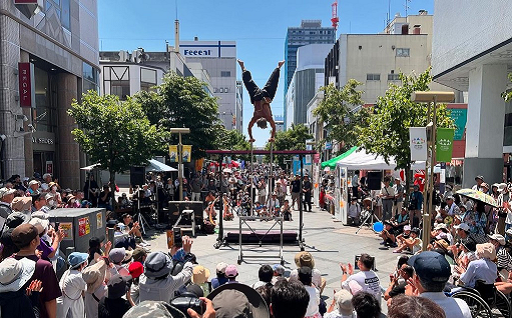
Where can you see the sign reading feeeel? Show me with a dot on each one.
(26, 74)
(208, 48)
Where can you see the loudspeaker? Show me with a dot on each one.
(374, 180)
(137, 176)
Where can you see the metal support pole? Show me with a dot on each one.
(220, 238)
(251, 180)
(301, 216)
(180, 166)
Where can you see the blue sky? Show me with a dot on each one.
(258, 26)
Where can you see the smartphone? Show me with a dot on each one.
(176, 233)
(57, 224)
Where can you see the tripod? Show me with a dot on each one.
(369, 217)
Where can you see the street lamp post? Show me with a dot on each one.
(431, 98)
(180, 131)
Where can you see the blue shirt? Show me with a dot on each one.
(216, 282)
(481, 269)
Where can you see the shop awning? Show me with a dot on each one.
(361, 160)
(332, 162)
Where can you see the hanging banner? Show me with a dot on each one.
(418, 143)
(459, 116)
(444, 144)
(173, 153)
(187, 153)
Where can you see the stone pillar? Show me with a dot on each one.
(28, 145)
(68, 150)
(484, 128)
(13, 154)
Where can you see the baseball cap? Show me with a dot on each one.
(231, 271)
(480, 177)
(407, 227)
(136, 269)
(116, 255)
(278, 268)
(462, 226)
(23, 234)
(221, 268)
(138, 254)
(431, 266)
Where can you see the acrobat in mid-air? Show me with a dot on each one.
(261, 99)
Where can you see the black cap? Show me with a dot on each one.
(431, 266)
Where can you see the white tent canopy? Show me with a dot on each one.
(153, 166)
(361, 160)
(157, 166)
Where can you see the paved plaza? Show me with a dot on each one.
(329, 241)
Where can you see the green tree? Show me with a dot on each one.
(507, 95)
(337, 111)
(183, 102)
(233, 140)
(115, 134)
(293, 138)
(386, 131)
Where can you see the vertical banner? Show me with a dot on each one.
(459, 116)
(173, 153)
(26, 87)
(444, 144)
(418, 143)
(187, 153)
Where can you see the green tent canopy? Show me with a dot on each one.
(332, 162)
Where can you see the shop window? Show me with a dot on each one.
(120, 88)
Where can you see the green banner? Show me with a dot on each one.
(444, 144)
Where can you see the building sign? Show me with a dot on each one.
(459, 116)
(45, 141)
(26, 76)
(208, 48)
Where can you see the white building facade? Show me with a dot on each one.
(218, 58)
(472, 51)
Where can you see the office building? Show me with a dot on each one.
(48, 57)
(309, 32)
(376, 60)
(472, 52)
(218, 58)
(307, 79)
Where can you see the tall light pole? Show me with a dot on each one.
(180, 131)
(431, 98)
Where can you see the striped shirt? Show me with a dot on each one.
(504, 259)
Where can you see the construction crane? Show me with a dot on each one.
(335, 18)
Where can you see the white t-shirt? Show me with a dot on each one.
(368, 280)
(314, 301)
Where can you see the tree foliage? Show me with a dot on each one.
(293, 138)
(115, 134)
(183, 102)
(507, 95)
(386, 131)
(232, 140)
(336, 110)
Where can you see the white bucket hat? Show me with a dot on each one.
(15, 274)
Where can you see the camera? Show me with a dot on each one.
(189, 300)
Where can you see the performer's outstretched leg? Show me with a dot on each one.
(250, 85)
(271, 85)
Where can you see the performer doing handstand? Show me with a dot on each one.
(261, 99)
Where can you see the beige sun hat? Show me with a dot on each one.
(94, 275)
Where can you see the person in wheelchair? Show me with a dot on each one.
(482, 269)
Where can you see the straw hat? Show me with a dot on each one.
(94, 275)
(200, 274)
(304, 259)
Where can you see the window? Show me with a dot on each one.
(120, 88)
(401, 52)
(221, 90)
(373, 77)
(393, 77)
(90, 78)
(225, 73)
(147, 79)
(118, 79)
